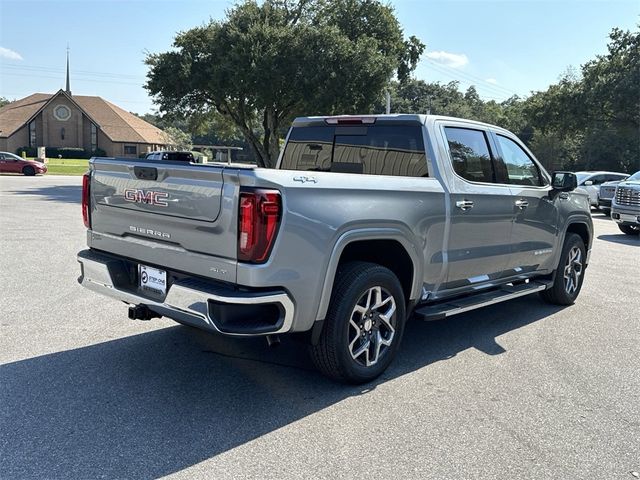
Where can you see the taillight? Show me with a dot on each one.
(258, 221)
(86, 216)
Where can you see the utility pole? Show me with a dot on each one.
(388, 96)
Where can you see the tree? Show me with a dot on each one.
(4, 101)
(177, 138)
(593, 118)
(265, 63)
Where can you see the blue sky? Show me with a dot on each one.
(503, 47)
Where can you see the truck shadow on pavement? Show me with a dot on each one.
(57, 193)
(156, 403)
(621, 239)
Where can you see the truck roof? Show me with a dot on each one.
(392, 117)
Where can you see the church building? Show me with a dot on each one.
(65, 120)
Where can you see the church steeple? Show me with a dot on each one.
(68, 85)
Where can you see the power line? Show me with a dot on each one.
(89, 80)
(470, 76)
(466, 81)
(33, 68)
(470, 79)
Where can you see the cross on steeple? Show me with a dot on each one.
(68, 86)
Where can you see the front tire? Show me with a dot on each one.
(629, 229)
(364, 324)
(570, 273)
(29, 171)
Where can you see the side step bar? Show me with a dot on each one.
(448, 308)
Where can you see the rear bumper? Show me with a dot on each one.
(191, 300)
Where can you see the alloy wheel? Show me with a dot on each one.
(573, 270)
(372, 326)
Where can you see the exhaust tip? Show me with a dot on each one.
(273, 341)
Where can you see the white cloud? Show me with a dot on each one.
(491, 80)
(453, 60)
(9, 54)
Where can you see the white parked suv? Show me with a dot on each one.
(591, 181)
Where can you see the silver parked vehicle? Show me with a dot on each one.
(625, 206)
(605, 195)
(365, 222)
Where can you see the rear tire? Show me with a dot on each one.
(629, 229)
(29, 171)
(570, 273)
(364, 324)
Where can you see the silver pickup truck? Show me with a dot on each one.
(365, 222)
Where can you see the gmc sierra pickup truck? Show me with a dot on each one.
(365, 222)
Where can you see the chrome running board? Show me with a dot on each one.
(448, 308)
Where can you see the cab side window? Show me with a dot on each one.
(470, 155)
(521, 169)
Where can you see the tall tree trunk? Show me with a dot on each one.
(237, 116)
(271, 141)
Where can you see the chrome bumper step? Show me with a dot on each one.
(448, 308)
(188, 300)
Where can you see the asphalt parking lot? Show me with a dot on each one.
(517, 390)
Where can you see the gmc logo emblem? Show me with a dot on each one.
(149, 197)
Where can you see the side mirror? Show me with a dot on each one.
(564, 181)
(588, 183)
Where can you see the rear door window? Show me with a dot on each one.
(615, 177)
(370, 150)
(470, 154)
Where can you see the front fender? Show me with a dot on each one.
(576, 218)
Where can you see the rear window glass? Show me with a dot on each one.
(370, 150)
(178, 156)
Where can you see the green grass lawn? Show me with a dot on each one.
(67, 166)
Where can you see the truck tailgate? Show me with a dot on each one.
(153, 210)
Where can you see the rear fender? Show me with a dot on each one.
(363, 234)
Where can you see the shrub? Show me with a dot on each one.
(63, 152)
(30, 151)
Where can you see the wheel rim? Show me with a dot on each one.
(372, 326)
(573, 270)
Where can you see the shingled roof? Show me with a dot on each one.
(15, 114)
(116, 123)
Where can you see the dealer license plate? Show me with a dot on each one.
(152, 279)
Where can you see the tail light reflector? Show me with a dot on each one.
(259, 218)
(86, 214)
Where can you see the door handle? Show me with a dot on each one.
(464, 204)
(522, 204)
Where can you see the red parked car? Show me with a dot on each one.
(11, 163)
